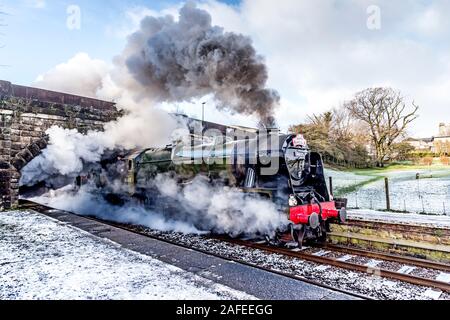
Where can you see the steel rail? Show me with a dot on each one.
(389, 257)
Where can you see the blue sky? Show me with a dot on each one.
(318, 53)
(36, 36)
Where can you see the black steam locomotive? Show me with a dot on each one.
(270, 165)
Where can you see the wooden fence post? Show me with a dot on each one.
(331, 185)
(388, 200)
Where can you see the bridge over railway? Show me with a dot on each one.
(25, 114)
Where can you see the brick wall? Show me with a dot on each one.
(25, 114)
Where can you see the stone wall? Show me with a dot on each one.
(25, 114)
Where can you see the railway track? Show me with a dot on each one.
(415, 280)
(389, 257)
(420, 281)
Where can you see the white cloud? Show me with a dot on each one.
(432, 22)
(320, 52)
(429, 22)
(38, 4)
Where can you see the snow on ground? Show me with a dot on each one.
(424, 195)
(41, 258)
(343, 179)
(405, 218)
(430, 194)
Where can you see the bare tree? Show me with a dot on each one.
(387, 115)
(337, 135)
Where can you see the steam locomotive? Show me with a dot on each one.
(274, 166)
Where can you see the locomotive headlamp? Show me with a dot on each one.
(293, 201)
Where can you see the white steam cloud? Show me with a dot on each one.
(69, 151)
(164, 61)
(81, 75)
(201, 208)
(85, 202)
(221, 209)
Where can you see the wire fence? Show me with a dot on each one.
(417, 194)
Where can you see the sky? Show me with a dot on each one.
(318, 53)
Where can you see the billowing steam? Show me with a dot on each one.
(200, 208)
(175, 61)
(81, 75)
(190, 58)
(86, 202)
(70, 153)
(221, 209)
(164, 61)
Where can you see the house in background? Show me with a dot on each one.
(438, 145)
(444, 130)
(442, 142)
(421, 144)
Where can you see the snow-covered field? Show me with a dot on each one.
(41, 258)
(430, 194)
(342, 179)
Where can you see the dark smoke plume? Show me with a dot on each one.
(180, 60)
